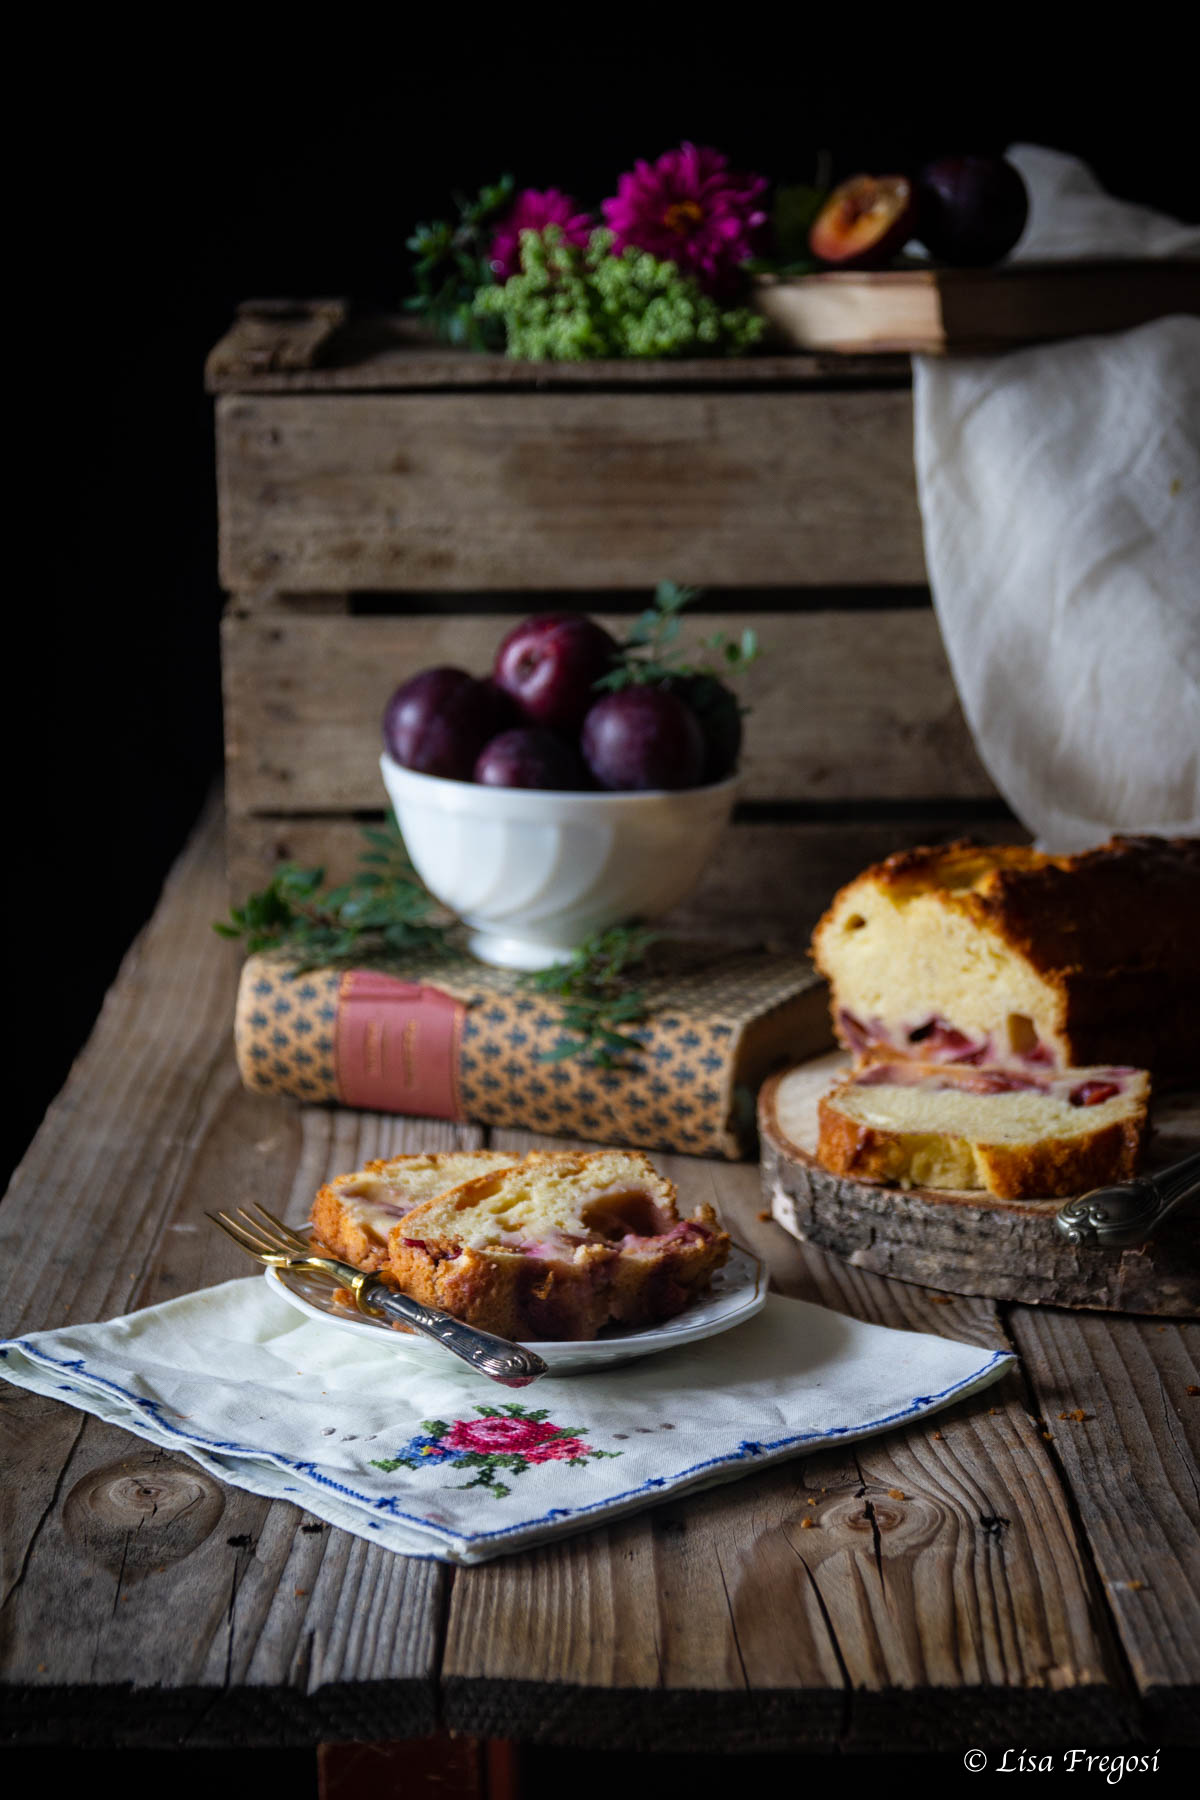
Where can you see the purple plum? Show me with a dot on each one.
(720, 718)
(438, 722)
(548, 665)
(530, 757)
(643, 737)
(970, 209)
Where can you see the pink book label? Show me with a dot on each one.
(397, 1046)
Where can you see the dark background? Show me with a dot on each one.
(166, 181)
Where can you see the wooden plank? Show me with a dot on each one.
(845, 706)
(276, 337)
(566, 490)
(769, 883)
(937, 1596)
(934, 311)
(1131, 1462)
(142, 1601)
(389, 353)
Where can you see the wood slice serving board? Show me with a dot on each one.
(972, 1243)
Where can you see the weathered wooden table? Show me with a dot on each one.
(1038, 1582)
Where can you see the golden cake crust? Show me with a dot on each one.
(531, 1289)
(342, 1214)
(1109, 934)
(1040, 1168)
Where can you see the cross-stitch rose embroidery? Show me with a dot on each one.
(506, 1437)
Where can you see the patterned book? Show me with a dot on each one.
(458, 1040)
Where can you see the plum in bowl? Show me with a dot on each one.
(534, 872)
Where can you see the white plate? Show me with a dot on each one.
(739, 1290)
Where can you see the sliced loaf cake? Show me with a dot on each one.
(1018, 1135)
(558, 1247)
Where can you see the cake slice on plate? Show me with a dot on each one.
(1018, 1135)
(558, 1247)
(353, 1214)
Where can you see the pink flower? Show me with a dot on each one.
(492, 1437)
(532, 210)
(692, 209)
(561, 1450)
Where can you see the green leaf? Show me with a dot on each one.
(792, 215)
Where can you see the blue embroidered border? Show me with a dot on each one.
(745, 1452)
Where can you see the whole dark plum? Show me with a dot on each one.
(438, 722)
(529, 757)
(549, 663)
(970, 209)
(641, 738)
(720, 717)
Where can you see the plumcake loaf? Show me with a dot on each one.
(1019, 1135)
(1004, 956)
(558, 1246)
(353, 1214)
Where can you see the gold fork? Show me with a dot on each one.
(270, 1241)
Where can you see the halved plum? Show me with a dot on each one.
(864, 222)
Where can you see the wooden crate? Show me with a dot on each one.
(386, 504)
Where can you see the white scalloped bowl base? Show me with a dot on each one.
(535, 873)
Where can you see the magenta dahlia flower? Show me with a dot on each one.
(692, 209)
(533, 210)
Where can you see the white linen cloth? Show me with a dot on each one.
(373, 1439)
(1060, 499)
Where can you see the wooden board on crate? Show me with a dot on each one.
(971, 1243)
(940, 311)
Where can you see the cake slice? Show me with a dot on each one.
(1018, 1134)
(1002, 956)
(558, 1247)
(353, 1214)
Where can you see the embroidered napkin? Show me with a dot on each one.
(434, 1460)
(1060, 499)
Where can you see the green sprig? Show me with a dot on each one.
(601, 1009)
(382, 916)
(452, 264)
(649, 654)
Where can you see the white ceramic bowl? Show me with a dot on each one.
(534, 873)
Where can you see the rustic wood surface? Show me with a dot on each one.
(1131, 1464)
(271, 337)
(389, 352)
(845, 706)
(141, 1601)
(969, 1243)
(902, 1614)
(541, 491)
(960, 1580)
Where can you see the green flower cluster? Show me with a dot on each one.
(569, 305)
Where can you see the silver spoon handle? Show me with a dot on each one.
(512, 1365)
(1118, 1218)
